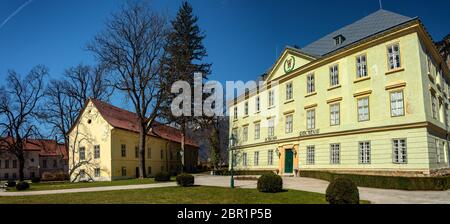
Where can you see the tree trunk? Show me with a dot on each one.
(21, 167)
(183, 165)
(142, 136)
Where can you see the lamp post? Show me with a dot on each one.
(231, 148)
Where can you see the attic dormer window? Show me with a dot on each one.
(338, 40)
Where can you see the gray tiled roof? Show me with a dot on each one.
(374, 23)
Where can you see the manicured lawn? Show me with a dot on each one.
(69, 185)
(174, 195)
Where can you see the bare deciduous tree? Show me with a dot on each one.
(132, 47)
(19, 111)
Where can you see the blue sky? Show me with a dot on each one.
(244, 37)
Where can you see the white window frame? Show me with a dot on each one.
(289, 124)
(310, 155)
(397, 104)
(81, 155)
(257, 131)
(335, 154)
(271, 98)
(311, 119)
(361, 66)
(310, 83)
(364, 149)
(289, 91)
(244, 159)
(363, 109)
(434, 109)
(246, 108)
(256, 158)
(399, 151)
(271, 127)
(438, 151)
(96, 151)
(257, 104)
(97, 172)
(335, 114)
(394, 57)
(334, 75)
(270, 157)
(245, 134)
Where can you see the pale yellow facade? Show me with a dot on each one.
(117, 158)
(367, 143)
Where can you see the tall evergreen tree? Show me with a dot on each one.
(184, 55)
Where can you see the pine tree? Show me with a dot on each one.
(184, 55)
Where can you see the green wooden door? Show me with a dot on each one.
(288, 161)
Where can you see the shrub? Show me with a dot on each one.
(11, 183)
(342, 191)
(21, 186)
(270, 183)
(35, 180)
(227, 172)
(185, 180)
(61, 176)
(47, 176)
(386, 182)
(55, 176)
(162, 176)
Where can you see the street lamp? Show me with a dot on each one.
(231, 148)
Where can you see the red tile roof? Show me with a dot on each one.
(127, 120)
(45, 146)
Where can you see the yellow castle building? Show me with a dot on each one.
(104, 142)
(371, 97)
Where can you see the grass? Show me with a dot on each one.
(174, 195)
(69, 185)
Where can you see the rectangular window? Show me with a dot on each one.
(271, 98)
(289, 91)
(6, 164)
(257, 104)
(136, 152)
(149, 170)
(246, 108)
(361, 66)
(270, 157)
(271, 129)
(82, 174)
(55, 163)
(399, 151)
(311, 119)
(235, 109)
(82, 153)
(364, 152)
(310, 155)
(123, 150)
(394, 56)
(397, 108)
(245, 134)
(14, 164)
(234, 133)
(434, 106)
(149, 153)
(44, 163)
(162, 154)
(97, 172)
(14, 176)
(256, 159)
(244, 159)
(123, 171)
(334, 75)
(6, 176)
(257, 130)
(363, 109)
(96, 151)
(335, 153)
(438, 151)
(289, 124)
(310, 84)
(335, 114)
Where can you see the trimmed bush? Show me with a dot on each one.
(162, 176)
(342, 191)
(226, 172)
(21, 186)
(185, 180)
(47, 176)
(35, 180)
(271, 183)
(386, 182)
(11, 183)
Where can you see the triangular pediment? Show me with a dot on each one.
(290, 60)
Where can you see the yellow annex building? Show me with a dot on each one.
(371, 97)
(104, 145)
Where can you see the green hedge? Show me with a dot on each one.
(386, 182)
(226, 172)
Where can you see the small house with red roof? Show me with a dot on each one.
(104, 145)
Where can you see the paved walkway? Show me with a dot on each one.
(90, 189)
(377, 196)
